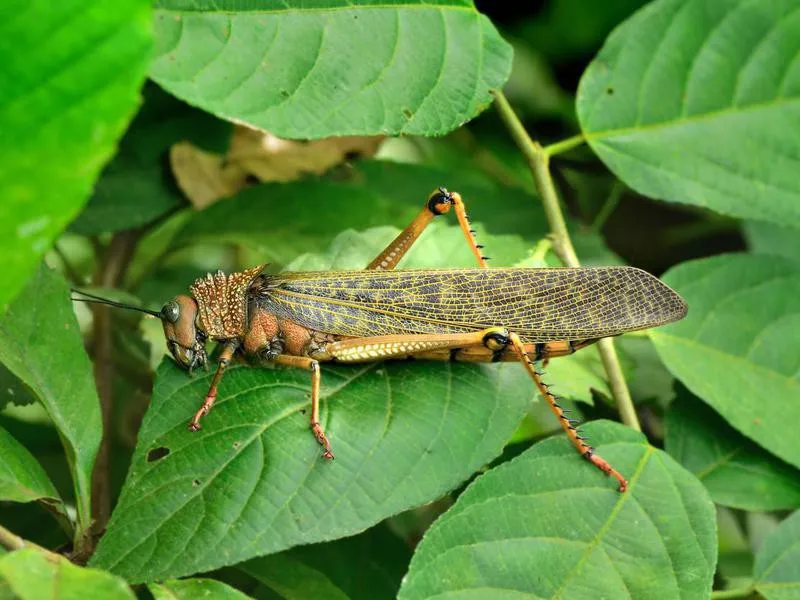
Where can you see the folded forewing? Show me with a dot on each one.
(539, 304)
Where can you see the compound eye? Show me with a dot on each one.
(171, 311)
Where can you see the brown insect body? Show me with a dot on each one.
(475, 315)
(299, 313)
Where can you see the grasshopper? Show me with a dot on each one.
(476, 315)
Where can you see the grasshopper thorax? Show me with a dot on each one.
(216, 309)
(222, 303)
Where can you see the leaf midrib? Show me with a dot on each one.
(285, 11)
(601, 135)
(677, 340)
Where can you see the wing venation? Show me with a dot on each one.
(539, 304)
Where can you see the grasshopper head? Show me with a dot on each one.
(185, 340)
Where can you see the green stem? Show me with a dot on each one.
(564, 145)
(734, 593)
(539, 162)
(614, 196)
(11, 542)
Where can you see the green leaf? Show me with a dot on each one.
(137, 186)
(68, 87)
(734, 350)
(546, 525)
(22, 478)
(339, 68)
(649, 379)
(128, 194)
(696, 101)
(735, 471)
(31, 575)
(440, 244)
(41, 344)
(577, 375)
(253, 482)
(284, 220)
(770, 238)
(777, 568)
(368, 566)
(194, 589)
(501, 207)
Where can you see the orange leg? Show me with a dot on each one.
(309, 364)
(569, 426)
(439, 203)
(480, 354)
(211, 396)
(488, 344)
(382, 347)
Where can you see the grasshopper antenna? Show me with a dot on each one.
(92, 299)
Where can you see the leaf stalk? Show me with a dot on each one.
(538, 158)
(744, 592)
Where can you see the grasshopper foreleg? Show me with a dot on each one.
(224, 360)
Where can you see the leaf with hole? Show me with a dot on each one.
(340, 68)
(697, 101)
(68, 87)
(735, 350)
(253, 482)
(543, 526)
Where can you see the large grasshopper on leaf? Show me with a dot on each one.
(477, 315)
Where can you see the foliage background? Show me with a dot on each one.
(670, 130)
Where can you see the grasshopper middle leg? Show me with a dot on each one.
(310, 364)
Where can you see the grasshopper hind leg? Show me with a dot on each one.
(438, 203)
(569, 426)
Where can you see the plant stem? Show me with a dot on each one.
(614, 196)
(734, 593)
(539, 162)
(111, 271)
(11, 542)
